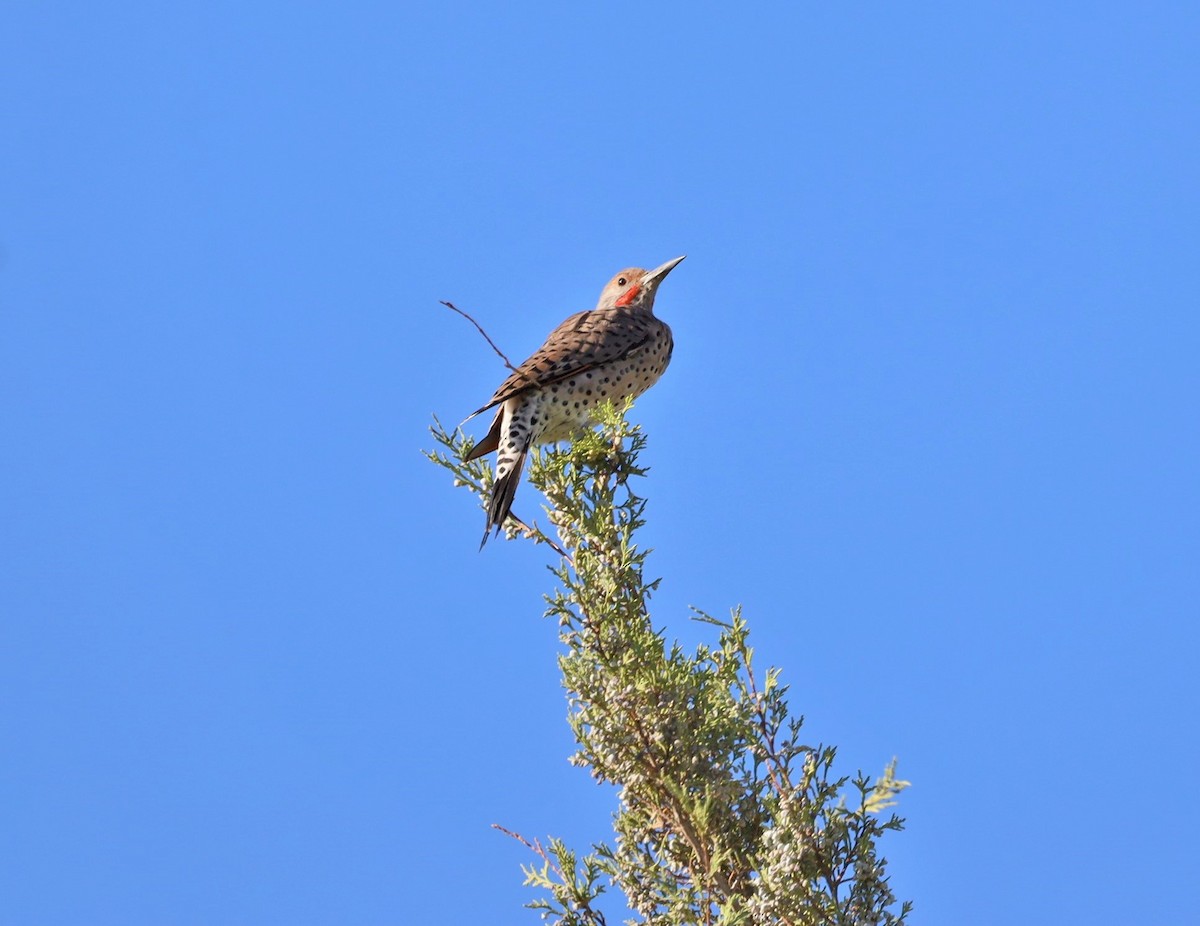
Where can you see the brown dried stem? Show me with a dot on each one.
(499, 353)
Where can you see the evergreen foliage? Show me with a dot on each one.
(726, 815)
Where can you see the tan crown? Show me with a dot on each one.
(635, 286)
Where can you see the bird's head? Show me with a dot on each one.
(635, 286)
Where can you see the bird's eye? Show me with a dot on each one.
(622, 281)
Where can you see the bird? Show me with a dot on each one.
(613, 352)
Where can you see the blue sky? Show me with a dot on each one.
(932, 419)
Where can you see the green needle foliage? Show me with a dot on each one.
(725, 816)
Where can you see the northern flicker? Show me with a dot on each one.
(615, 351)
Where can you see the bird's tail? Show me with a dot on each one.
(503, 493)
(490, 442)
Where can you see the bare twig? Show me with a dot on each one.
(535, 533)
(499, 353)
(535, 845)
(582, 903)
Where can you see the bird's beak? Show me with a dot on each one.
(656, 275)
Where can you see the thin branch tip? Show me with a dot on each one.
(478, 327)
(499, 353)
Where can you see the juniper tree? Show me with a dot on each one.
(725, 815)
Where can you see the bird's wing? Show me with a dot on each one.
(580, 343)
